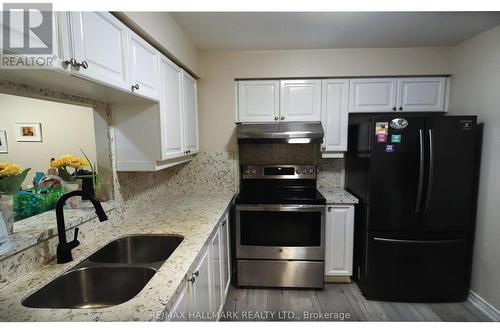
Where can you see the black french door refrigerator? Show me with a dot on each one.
(415, 177)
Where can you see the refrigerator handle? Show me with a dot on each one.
(421, 172)
(413, 241)
(431, 171)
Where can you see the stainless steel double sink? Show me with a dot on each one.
(110, 276)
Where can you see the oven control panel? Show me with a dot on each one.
(278, 171)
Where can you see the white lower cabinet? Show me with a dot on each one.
(204, 294)
(339, 240)
(201, 289)
(180, 309)
(215, 271)
(225, 256)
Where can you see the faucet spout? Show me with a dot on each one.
(64, 247)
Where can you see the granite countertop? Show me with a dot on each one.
(192, 216)
(338, 196)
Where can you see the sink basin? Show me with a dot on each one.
(137, 249)
(91, 288)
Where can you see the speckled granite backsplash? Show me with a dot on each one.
(207, 173)
(330, 171)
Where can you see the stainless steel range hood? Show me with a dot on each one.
(309, 132)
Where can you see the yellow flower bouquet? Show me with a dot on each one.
(11, 178)
(65, 161)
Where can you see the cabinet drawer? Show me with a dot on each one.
(271, 273)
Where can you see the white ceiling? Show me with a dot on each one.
(286, 31)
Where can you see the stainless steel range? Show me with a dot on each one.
(280, 223)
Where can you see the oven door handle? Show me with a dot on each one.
(268, 207)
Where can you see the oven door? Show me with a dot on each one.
(288, 232)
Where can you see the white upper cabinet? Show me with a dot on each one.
(171, 110)
(421, 94)
(372, 95)
(417, 94)
(143, 60)
(99, 48)
(155, 136)
(61, 41)
(190, 114)
(258, 101)
(335, 115)
(300, 100)
(339, 230)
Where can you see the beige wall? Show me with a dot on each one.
(65, 129)
(474, 90)
(162, 27)
(216, 93)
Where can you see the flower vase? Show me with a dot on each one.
(7, 211)
(70, 186)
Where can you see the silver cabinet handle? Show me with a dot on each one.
(135, 87)
(421, 171)
(70, 62)
(282, 117)
(323, 147)
(276, 118)
(393, 108)
(400, 108)
(193, 277)
(74, 63)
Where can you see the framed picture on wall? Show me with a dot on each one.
(28, 131)
(3, 142)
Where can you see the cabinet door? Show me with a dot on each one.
(143, 60)
(421, 94)
(99, 39)
(201, 287)
(300, 100)
(335, 114)
(339, 240)
(258, 101)
(215, 271)
(372, 95)
(180, 309)
(225, 257)
(190, 114)
(171, 112)
(62, 41)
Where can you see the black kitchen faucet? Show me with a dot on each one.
(64, 248)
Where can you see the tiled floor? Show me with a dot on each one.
(336, 301)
